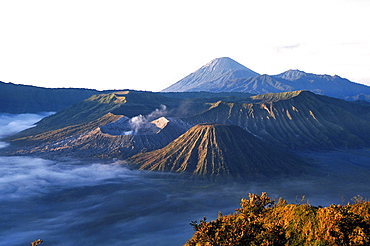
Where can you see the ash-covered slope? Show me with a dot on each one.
(299, 119)
(81, 114)
(218, 151)
(111, 136)
(211, 76)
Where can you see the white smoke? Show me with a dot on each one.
(141, 122)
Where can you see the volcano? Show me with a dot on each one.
(215, 73)
(219, 152)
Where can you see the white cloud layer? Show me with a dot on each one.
(12, 123)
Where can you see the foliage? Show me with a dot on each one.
(37, 242)
(261, 221)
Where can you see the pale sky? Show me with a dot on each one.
(149, 45)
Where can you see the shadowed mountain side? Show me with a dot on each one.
(298, 119)
(16, 99)
(97, 144)
(217, 151)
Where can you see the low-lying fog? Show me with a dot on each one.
(69, 202)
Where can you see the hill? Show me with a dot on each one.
(212, 75)
(218, 151)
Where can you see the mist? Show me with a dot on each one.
(71, 202)
(10, 124)
(13, 123)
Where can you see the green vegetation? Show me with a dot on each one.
(262, 221)
(274, 97)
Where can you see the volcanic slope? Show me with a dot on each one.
(114, 139)
(211, 76)
(298, 120)
(219, 151)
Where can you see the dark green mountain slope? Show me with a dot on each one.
(219, 151)
(18, 99)
(298, 119)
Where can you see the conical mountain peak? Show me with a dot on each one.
(224, 64)
(212, 76)
(219, 151)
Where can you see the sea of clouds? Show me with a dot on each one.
(71, 202)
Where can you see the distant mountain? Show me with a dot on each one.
(292, 80)
(218, 151)
(226, 75)
(333, 86)
(16, 98)
(213, 75)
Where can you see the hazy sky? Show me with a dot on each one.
(149, 45)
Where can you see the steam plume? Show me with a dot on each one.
(144, 122)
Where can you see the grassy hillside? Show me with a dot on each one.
(262, 221)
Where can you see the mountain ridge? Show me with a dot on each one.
(18, 98)
(224, 78)
(295, 120)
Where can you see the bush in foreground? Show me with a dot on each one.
(262, 221)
